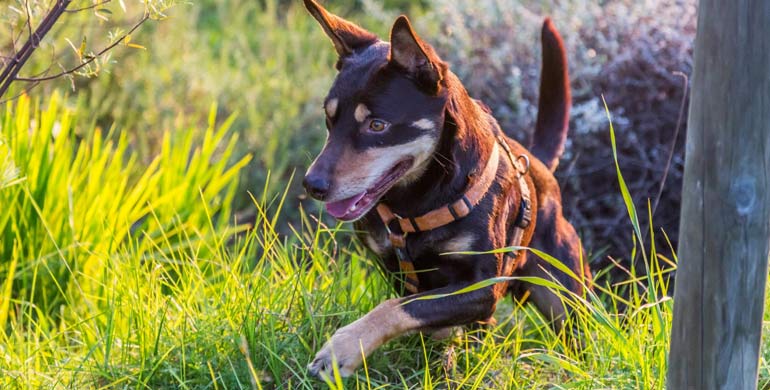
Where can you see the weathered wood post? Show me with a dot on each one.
(724, 230)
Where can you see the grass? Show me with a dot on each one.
(122, 276)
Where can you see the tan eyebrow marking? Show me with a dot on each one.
(424, 124)
(361, 112)
(331, 107)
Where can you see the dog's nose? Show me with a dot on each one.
(316, 186)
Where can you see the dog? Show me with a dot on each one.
(427, 176)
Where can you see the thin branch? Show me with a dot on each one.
(29, 17)
(92, 6)
(50, 65)
(23, 92)
(685, 82)
(89, 60)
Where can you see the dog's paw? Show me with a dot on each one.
(344, 349)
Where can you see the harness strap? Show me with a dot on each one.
(398, 227)
(524, 215)
(448, 213)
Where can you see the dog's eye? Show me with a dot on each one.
(377, 125)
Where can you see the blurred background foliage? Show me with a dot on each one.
(268, 63)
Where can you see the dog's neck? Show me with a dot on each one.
(464, 146)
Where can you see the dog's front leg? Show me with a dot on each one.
(396, 317)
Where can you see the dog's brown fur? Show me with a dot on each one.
(449, 137)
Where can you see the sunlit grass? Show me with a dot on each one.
(118, 275)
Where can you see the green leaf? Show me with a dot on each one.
(627, 200)
(82, 48)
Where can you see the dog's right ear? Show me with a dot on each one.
(346, 36)
(409, 53)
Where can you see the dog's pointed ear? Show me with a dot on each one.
(346, 36)
(417, 58)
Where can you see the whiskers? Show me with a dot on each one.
(442, 161)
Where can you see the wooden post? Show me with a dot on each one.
(724, 230)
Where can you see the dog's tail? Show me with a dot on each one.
(555, 100)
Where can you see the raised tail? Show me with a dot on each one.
(555, 100)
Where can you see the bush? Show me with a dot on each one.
(627, 51)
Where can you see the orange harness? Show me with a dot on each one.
(399, 227)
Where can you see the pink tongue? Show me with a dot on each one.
(340, 208)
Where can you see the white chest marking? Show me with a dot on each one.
(459, 243)
(378, 247)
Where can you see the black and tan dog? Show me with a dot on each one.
(424, 169)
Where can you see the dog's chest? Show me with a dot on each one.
(423, 250)
(378, 242)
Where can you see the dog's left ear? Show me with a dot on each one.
(346, 36)
(409, 53)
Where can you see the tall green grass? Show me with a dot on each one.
(74, 206)
(117, 275)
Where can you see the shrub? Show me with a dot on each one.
(627, 51)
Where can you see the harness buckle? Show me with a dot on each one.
(401, 254)
(525, 214)
(409, 277)
(396, 236)
(398, 240)
(524, 171)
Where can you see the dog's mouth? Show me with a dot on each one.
(357, 205)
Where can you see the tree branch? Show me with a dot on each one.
(685, 82)
(89, 60)
(12, 68)
(92, 6)
(23, 91)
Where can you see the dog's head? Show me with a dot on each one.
(384, 115)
